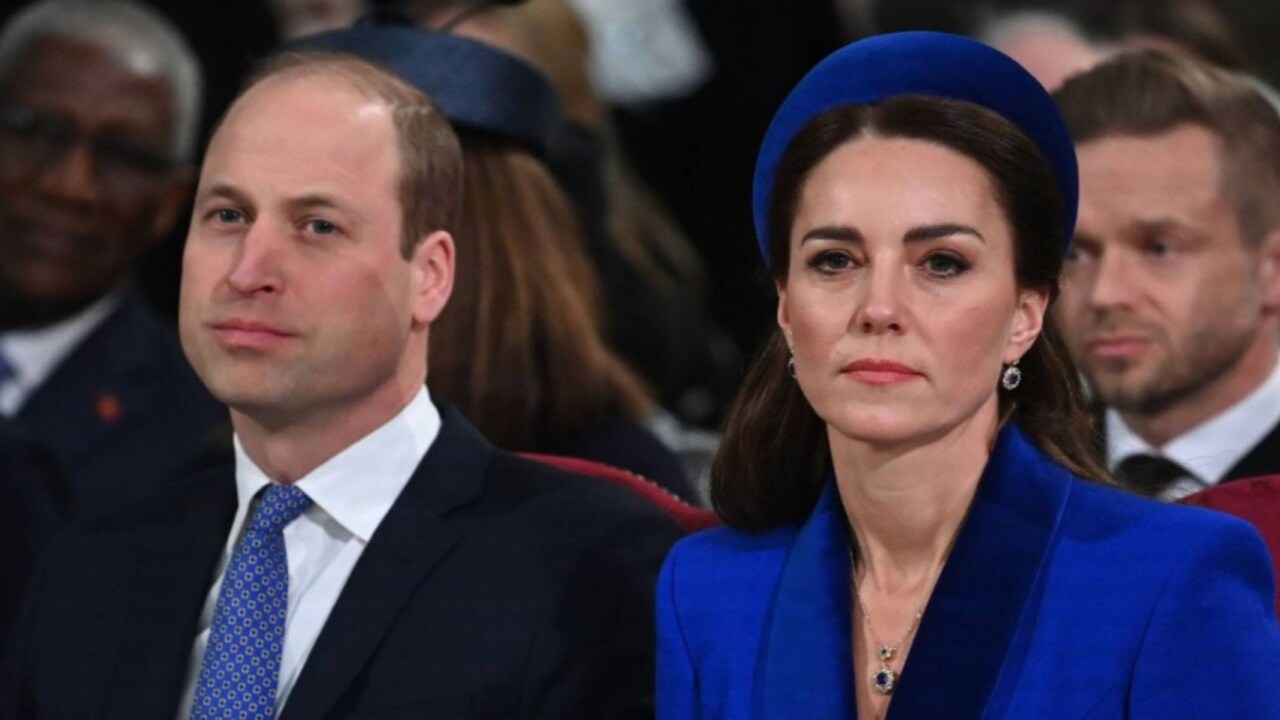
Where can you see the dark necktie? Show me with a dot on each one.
(240, 672)
(1149, 475)
(6, 370)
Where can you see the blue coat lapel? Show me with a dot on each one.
(970, 628)
(806, 659)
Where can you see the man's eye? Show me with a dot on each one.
(228, 216)
(322, 227)
(1159, 248)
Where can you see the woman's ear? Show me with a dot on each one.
(1028, 321)
(784, 316)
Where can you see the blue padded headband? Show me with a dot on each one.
(919, 63)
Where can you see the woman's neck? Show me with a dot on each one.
(906, 504)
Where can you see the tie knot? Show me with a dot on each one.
(1149, 475)
(280, 505)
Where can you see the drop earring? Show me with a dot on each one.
(1011, 377)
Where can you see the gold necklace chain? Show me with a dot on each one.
(885, 678)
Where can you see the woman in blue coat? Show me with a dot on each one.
(918, 526)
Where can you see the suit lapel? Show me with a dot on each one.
(408, 544)
(806, 658)
(805, 668)
(77, 406)
(173, 565)
(988, 586)
(1263, 459)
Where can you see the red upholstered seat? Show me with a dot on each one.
(1256, 500)
(689, 517)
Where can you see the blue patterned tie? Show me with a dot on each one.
(241, 667)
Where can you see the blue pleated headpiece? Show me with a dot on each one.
(475, 85)
(919, 63)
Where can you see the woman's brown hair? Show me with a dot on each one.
(519, 349)
(774, 455)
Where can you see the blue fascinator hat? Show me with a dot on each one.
(475, 85)
(919, 63)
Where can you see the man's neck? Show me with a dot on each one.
(1160, 427)
(286, 449)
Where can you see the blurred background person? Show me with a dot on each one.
(520, 349)
(99, 115)
(653, 282)
(1171, 293)
(919, 522)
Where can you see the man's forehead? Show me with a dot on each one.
(314, 92)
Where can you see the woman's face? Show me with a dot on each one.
(900, 303)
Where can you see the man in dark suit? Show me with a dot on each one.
(99, 106)
(369, 555)
(1171, 294)
(34, 506)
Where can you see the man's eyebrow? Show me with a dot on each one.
(224, 191)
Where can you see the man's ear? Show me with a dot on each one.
(172, 200)
(1028, 321)
(432, 269)
(1269, 269)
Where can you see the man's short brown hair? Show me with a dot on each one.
(430, 155)
(1151, 92)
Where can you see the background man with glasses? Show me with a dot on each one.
(99, 108)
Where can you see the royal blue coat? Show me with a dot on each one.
(1062, 599)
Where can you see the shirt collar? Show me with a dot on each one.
(34, 354)
(357, 487)
(1211, 449)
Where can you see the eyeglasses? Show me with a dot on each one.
(36, 139)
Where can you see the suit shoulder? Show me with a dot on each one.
(577, 504)
(727, 562)
(1152, 528)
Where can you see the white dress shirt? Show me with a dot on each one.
(34, 354)
(352, 492)
(1209, 450)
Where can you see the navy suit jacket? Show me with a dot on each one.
(494, 587)
(1061, 599)
(124, 414)
(33, 506)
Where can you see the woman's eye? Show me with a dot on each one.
(831, 262)
(945, 265)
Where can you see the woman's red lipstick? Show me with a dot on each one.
(880, 372)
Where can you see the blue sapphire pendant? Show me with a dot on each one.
(884, 680)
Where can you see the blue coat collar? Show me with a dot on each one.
(968, 633)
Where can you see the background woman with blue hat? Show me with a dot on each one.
(918, 524)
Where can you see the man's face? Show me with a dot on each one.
(296, 300)
(1161, 298)
(85, 180)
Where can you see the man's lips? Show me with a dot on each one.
(251, 334)
(880, 372)
(1118, 347)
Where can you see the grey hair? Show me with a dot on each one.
(132, 32)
